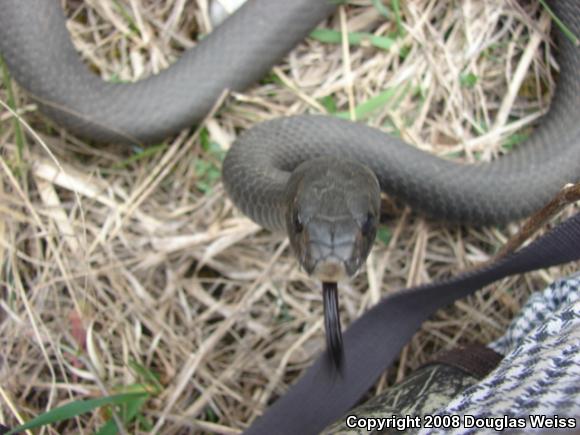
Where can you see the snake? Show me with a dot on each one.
(316, 177)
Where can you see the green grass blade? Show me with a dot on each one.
(329, 103)
(365, 109)
(329, 36)
(565, 30)
(146, 152)
(132, 24)
(381, 8)
(468, 80)
(71, 410)
(12, 104)
(397, 12)
(129, 413)
(148, 375)
(384, 235)
(110, 428)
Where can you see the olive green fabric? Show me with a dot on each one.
(422, 393)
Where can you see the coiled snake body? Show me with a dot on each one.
(257, 171)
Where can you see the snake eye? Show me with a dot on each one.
(368, 224)
(298, 226)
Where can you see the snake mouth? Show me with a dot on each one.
(330, 270)
(331, 262)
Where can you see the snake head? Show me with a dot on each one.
(331, 217)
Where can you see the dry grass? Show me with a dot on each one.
(105, 264)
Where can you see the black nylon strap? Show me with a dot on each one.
(373, 341)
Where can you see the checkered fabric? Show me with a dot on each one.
(540, 374)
